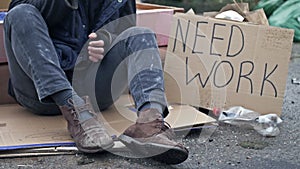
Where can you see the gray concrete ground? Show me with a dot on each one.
(221, 150)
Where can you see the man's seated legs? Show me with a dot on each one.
(39, 83)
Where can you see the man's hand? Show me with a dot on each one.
(95, 48)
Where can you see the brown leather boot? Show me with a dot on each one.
(90, 136)
(151, 137)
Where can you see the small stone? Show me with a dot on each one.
(85, 160)
(258, 145)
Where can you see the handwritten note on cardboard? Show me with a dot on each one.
(219, 63)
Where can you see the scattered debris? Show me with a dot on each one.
(238, 116)
(2, 124)
(295, 81)
(266, 125)
(230, 15)
(84, 160)
(256, 145)
(25, 166)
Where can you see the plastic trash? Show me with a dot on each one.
(269, 6)
(238, 116)
(266, 125)
(287, 16)
(2, 16)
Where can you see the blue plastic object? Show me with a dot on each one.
(2, 15)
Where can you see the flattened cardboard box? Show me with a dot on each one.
(217, 63)
(4, 4)
(21, 129)
(158, 18)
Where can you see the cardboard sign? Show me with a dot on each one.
(217, 63)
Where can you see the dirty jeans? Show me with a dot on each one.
(35, 73)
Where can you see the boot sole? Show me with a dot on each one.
(159, 152)
(96, 150)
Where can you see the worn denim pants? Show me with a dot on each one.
(132, 61)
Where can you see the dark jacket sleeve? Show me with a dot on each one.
(51, 10)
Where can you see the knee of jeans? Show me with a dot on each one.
(141, 38)
(138, 30)
(22, 12)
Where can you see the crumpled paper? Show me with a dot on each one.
(241, 12)
(230, 15)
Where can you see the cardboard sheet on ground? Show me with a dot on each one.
(21, 129)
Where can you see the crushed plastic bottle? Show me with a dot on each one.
(266, 125)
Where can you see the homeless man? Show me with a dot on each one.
(46, 39)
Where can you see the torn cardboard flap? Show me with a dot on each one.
(257, 17)
(21, 129)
